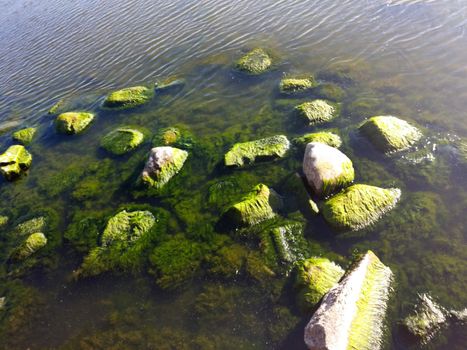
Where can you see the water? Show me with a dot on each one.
(405, 57)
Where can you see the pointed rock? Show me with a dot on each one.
(163, 163)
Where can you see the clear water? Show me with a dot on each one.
(406, 58)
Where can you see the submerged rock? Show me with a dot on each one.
(316, 112)
(359, 206)
(351, 314)
(329, 92)
(30, 226)
(247, 152)
(390, 134)
(326, 137)
(31, 245)
(173, 136)
(296, 85)
(122, 140)
(15, 161)
(315, 277)
(252, 209)
(163, 163)
(3, 220)
(169, 84)
(255, 62)
(129, 97)
(73, 122)
(24, 136)
(297, 196)
(326, 168)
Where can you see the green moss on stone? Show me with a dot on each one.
(359, 206)
(314, 278)
(31, 245)
(390, 134)
(325, 137)
(162, 165)
(122, 140)
(255, 62)
(83, 232)
(3, 221)
(247, 152)
(24, 136)
(30, 226)
(15, 161)
(296, 85)
(73, 122)
(173, 136)
(129, 97)
(316, 112)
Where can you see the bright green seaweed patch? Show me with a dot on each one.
(24, 136)
(314, 278)
(316, 112)
(247, 152)
(31, 245)
(359, 206)
(73, 122)
(129, 97)
(122, 140)
(326, 137)
(14, 161)
(296, 85)
(390, 134)
(255, 62)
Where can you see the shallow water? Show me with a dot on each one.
(405, 58)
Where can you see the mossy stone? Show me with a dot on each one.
(390, 134)
(30, 226)
(162, 165)
(316, 112)
(326, 137)
(24, 136)
(3, 221)
(314, 278)
(173, 136)
(255, 62)
(296, 85)
(359, 206)
(129, 97)
(247, 152)
(122, 140)
(15, 161)
(31, 245)
(73, 122)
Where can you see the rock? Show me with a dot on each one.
(15, 161)
(255, 62)
(122, 140)
(31, 245)
(172, 136)
(24, 136)
(316, 112)
(169, 84)
(359, 206)
(296, 85)
(459, 316)
(30, 226)
(330, 92)
(163, 163)
(247, 152)
(326, 168)
(252, 209)
(297, 196)
(326, 137)
(314, 278)
(129, 97)
(73, 122)
(3, 221)
(390, 134)
(351, 314)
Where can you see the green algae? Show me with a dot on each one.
(359, 206)
(326, 137)
(3, 221)
(247, 152)
(330, 92)
(292, 85)
(14, 161)
(254, 62)
(32, 244)
(122, 140)
(128, 97)
(73, 122)
(316, 112)
(24, 136)
(173, 136)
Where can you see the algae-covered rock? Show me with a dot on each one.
(330, 92)
(163, 163)
(326, 137)
(252, 209)
(73, 122)
(173, 136)
(296, 85)
(254, 62)
(24, 136)
(3, 221)
(169, 84)
(314, 278)
(30, 226)
(316, 112)
(247, 152)
(129, 97)
(390, 134)
(359, 206)
(326, 168)
(31, 245)
(15, 161)
(351, 314)
(122, 140)
(426, 320)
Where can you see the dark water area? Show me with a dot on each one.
(404, 58)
